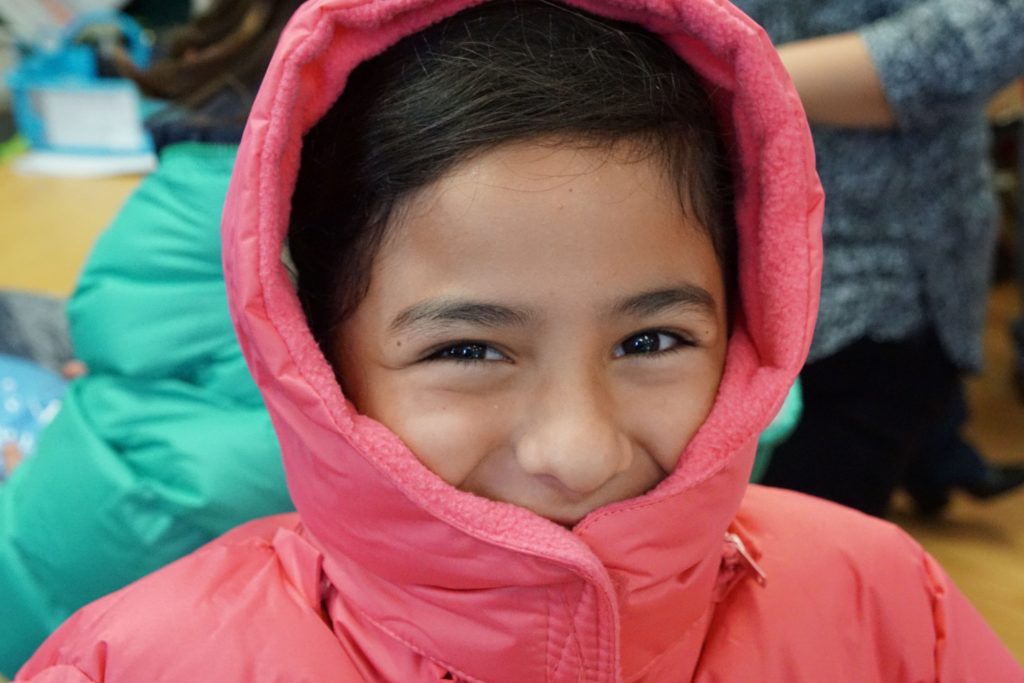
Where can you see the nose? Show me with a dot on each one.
(573, 436)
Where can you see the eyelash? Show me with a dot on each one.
(679, 342)
(445, 353)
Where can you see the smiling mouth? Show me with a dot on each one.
(562, 506)
(567, 519)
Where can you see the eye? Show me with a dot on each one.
(467, 352)
(648, 342)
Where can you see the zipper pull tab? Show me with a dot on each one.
(737, 542)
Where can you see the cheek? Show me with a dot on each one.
(450, 435)
(666, 418)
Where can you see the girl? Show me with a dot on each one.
(512, 231)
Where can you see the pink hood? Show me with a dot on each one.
(484, 589)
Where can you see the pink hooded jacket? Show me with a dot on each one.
(389, 574)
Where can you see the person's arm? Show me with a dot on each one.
(915, 68)
(837, 81)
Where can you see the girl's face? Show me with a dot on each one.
(542, 327)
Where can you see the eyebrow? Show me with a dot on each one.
(658, 300)
(444, 312)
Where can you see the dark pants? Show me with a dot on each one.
(946, 461)
(870, 412)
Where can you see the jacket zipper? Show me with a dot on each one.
(741, 548)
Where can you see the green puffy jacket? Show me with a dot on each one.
(165, 444)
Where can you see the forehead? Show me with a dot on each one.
(536, 220)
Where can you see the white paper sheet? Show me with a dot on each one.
(107, 118)
(82, 165)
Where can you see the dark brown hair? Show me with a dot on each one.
(502, 72)
(227, 47)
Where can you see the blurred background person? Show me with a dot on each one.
(896, 92)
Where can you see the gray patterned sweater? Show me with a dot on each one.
(910, 216)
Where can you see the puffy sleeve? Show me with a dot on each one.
(939, 58)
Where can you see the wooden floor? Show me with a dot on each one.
(47, 227)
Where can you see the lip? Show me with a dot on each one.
(562, 495)
(567, 515)
(567, 507)
(569, 522)
(556, 507)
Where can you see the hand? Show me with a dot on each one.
(73, 369)
(12, 457)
